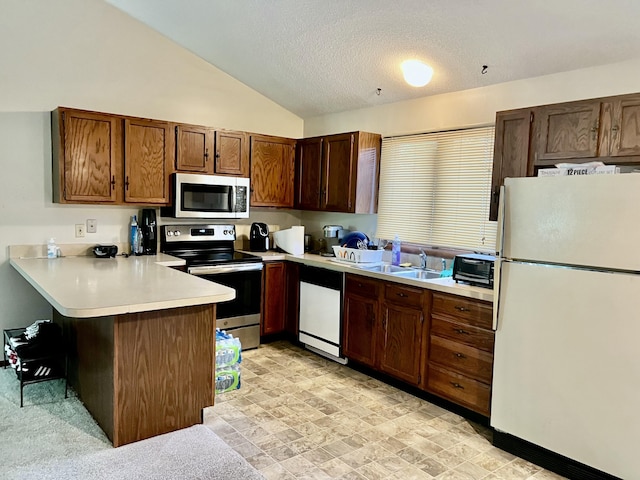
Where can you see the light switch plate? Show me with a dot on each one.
(80, 229)
(92, 225)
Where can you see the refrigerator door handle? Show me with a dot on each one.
(497, 273)
(500, 236)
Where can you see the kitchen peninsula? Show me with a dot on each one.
(141, 338)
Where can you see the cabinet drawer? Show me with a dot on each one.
(470, 361)
(461, 333)
(359, 285)
(464, 309)
(403, 295)
(460, 389)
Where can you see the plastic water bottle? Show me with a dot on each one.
(133, 235)
(52, 248)
(395, 251)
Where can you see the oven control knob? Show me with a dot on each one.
(169, 233)
(176, 233)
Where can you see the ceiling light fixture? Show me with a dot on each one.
(416, 73)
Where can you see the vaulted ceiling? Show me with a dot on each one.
(315, 57)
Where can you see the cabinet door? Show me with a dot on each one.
(272, 171)
(567, 131)
(309, 173)
(359, 335)
(232, 153)
(87, 167)
(193, 149)
(511, 151)
(273, 298)
(625, 131)
(338, 176)
(402, 330)
(147, 152)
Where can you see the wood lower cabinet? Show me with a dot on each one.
(339, 173)
(402, 335)
(110, 159)
(361, 308)
(272, 171)
(274, 298)
(460, 360)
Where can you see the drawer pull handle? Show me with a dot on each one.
(456, 385)
(460, 331)
(462, 309)
(460, 355)
(401, 294)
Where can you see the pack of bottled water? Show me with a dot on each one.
(228, 358)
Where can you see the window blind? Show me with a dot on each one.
(435, 189)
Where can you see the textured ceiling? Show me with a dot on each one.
(322, 56)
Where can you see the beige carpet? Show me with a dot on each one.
(53, 438)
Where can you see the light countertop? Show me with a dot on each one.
(444, 285)
(85, 286)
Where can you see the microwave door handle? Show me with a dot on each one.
(232, 199)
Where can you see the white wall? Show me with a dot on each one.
(87, 54)
(479, 106)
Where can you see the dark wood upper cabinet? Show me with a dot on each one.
(625, 127)
(232, 153)
(567, 131)
(272, 171)
(309, 173)
(339, 173)
(194, 149)
(86, 156)
(148, 153)
(511, 151)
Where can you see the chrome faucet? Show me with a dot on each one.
(444, 264)
(423, 260)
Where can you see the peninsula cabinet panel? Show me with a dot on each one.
(511, 151)
(232, 153)
(272, 171)
(194, 146)
(567, 131)
(148, 152)
(86, 156)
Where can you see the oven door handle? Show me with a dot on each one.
(220, 269)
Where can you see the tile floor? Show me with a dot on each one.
(298, 415)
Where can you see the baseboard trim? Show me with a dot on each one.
(547, 459)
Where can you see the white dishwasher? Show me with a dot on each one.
(320, 327)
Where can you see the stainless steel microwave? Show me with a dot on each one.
(209, 196)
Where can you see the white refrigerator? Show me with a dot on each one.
(567, 318)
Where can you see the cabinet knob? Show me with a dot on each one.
(614, 131)
(126, 182)
(462, 309)
(206, 155)
(459, 355)
(460, 331)
(401, 294)
(113, 182)
(456, 385)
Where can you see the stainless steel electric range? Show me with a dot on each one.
(209, 253)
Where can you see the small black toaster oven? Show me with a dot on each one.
(474, 269)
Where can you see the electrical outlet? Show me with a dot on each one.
(92, 225)
(80, 229)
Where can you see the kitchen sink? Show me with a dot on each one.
(418, 274)
(392, 269)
